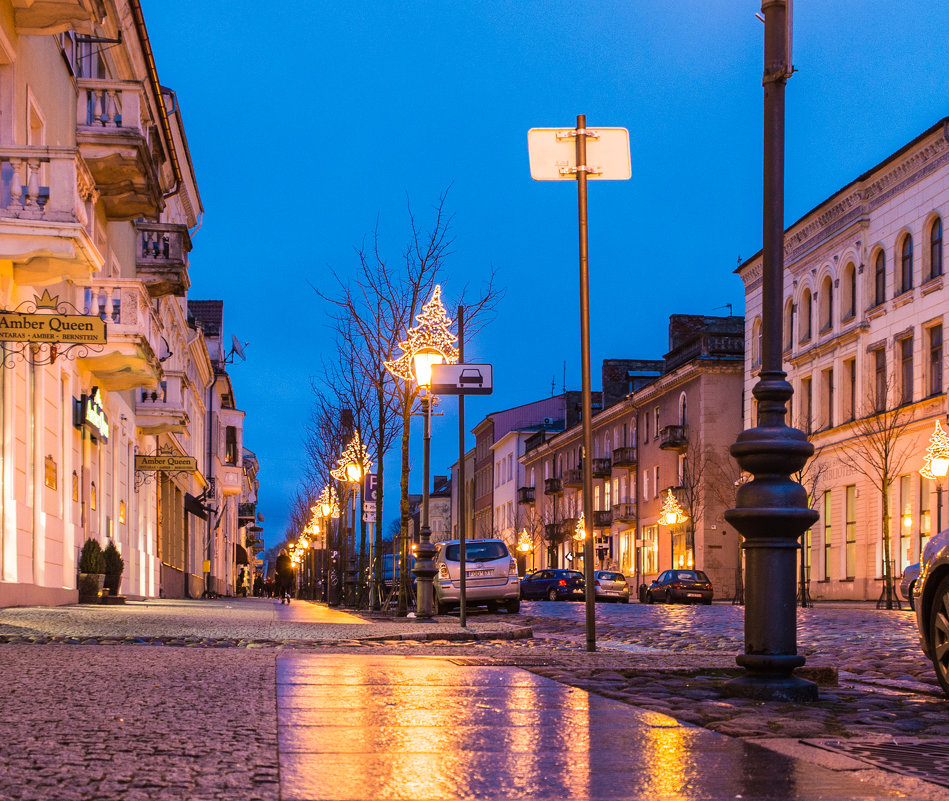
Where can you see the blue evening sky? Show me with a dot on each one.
(308, 121)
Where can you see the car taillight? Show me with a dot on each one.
(512, 571)
(596, 583)
(562, 583)
(676, 585)
(443, 571)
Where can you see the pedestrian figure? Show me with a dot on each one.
(284, 570)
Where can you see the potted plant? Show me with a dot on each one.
(91, 572)
(114, 565)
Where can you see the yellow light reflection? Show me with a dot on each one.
(666, 750)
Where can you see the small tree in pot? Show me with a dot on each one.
(114, 565)
(91, 572)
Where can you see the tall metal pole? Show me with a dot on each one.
(424, 569)
(772, 510)
(462, 547)
(587, 390)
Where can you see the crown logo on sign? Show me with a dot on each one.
(45, 301)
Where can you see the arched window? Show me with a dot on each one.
(683, 409)
(848, 294)
(756, 342)
(906, 264)
(804, 318)
(935, 248)
(826, 304)
(879, 279)
(788, 324)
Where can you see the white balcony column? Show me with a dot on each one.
(111, 108)
(16, 183)
(97, 107)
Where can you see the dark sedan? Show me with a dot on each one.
(553, 585)
(673, 586)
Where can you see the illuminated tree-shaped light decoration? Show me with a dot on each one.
(671, 513)
(354, 462)
(580, 532)
(937, 455)
(433, 332)
(523, 541)
(328, 504)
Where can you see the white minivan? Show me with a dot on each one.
(490, 576)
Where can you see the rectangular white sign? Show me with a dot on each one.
(461, 379)
(553, 154)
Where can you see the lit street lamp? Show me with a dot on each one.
(672, 514)
(328, 506)
(937, 466)
(430, 342)
(351, 468)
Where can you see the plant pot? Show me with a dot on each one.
(90, 587)
(112, 582)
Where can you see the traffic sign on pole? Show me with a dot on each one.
(461, 379)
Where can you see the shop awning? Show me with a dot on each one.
(241, 555)
(193, 506)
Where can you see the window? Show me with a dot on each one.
(901, 558)
(828, 398)
(935, 249)
(807, 396)
(906, 264)
(646, 428)
(848, 295)
(850, 390)
(650, 553)
(851, 532)
(656, 412)
(935, 360)
(788, 333)
(879, 279)
(879, 379)
(683, 410)
(756, 343)
(906, 370)
(828, 521)
(826, 304)
(230, 445)
(804, 318)
(925, 515)
(655, 479)
(645, 485)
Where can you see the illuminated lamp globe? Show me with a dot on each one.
(353, 473)
(303, 542)
(424, 359)
(939, 466)
(523, 547)
(325, 508)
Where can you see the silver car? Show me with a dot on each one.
(490, 576)
(610, 586)
(908, 582)
(931, 597)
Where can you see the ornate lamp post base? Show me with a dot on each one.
(424, 571)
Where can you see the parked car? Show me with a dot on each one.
(610, 586)
(553, 585)
(672, 586)
(908, 582)
(931, 596)
(490, 575)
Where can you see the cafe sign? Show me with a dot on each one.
(165, 463)
(51, 326)
(90, 414)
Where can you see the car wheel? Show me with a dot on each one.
(551, 594)
(648, 598)
(939, 633)
(668, 598)
(492, 606)
(707, 603)
(626, 600)
(909, 600)
(513, 607)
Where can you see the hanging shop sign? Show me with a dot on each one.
(164, 462)
(90, 414)
(48, 324)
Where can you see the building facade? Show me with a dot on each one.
(98, 201)
(864, 301)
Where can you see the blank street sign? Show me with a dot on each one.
(553, 154)
(461, 379)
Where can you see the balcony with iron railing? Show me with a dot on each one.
(553, 486)
(161, 258)
(525, 495)
(113, 137)
(603, 518)
(161, 410)
(129, 359)
(573, 478)
(624, 512)
(674, 438)
(624, 457)
(707, 346)
(568, 526)
(602, 468)
(45, 199)
(553, 533)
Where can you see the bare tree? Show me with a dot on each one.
(811, 477)
(878, 452)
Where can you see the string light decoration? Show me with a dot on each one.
(354, 462)
(523, 541)
(328, 504)
(937, 455)
(580, 532)
(433, 332)
(671, 513)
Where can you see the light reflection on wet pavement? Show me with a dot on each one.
(391, 727)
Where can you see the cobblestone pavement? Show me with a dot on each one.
(878, 686)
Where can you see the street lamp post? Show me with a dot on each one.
(936, 466)
(428, 343)
(350, 469)
(771, 510)
(328, 505)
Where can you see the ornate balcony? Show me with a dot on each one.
(43, 17)
(602, 468)
(113, 138)
(246, 514)
(624, 512)
(568, 526)
(128, 360)
(624, 457)
(44, 192)
(525, 495)
(553, 486)
(229, 479)
(162, 410)
(603, 519)
(674, 438)
(161, 258)
(573, 478)
(553, 533)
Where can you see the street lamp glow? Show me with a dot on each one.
(671, 513)
(936, 464)
(580, 531)
(424, 359)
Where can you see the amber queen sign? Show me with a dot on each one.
(50, 325)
